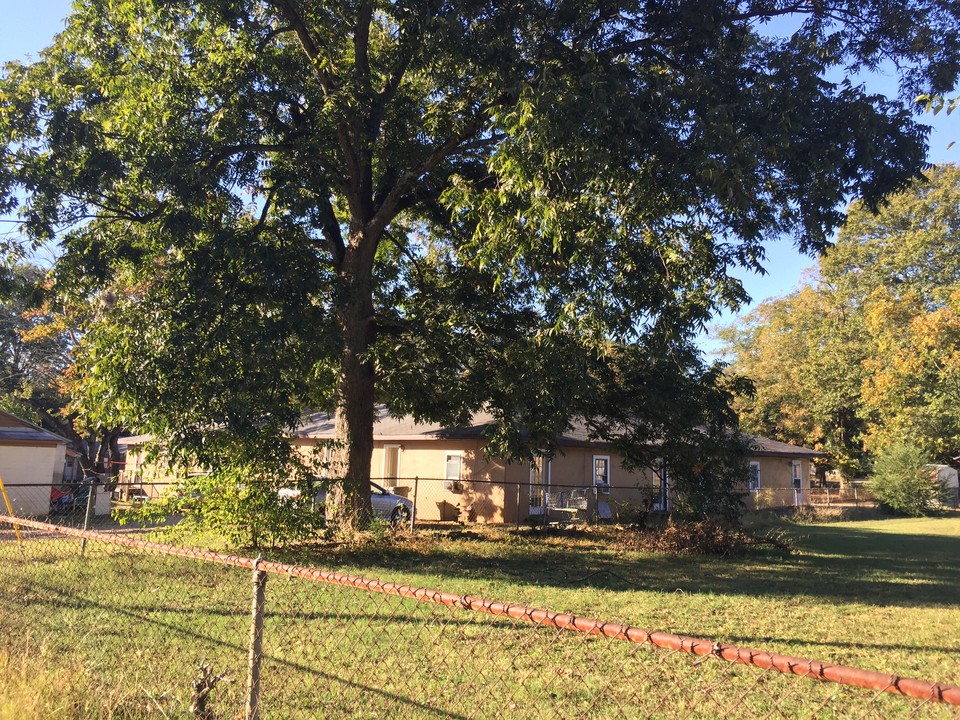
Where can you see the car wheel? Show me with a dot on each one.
(400, 515)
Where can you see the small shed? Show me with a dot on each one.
(31, 463)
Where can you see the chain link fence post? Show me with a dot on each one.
(518, 505)
(256, 641)
(91, 504)
(413, 515)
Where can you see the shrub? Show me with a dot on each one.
(704, 537)
(903, 481)
(241, 504)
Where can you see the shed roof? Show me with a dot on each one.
(17, 431)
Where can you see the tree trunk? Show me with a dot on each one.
(110, 441)
(348, 501)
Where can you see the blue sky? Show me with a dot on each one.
(28, 27)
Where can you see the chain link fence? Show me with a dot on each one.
(147, 630)
(427, 501)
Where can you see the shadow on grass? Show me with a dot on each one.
(837, 563)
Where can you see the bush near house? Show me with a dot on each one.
(902, 481)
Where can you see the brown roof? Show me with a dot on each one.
(320, 426)
(765, 447)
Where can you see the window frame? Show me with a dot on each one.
(453, 484)
(603, 488)
(383, 468)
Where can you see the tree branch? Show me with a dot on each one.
(289, 10)
(271, 35)
(331, 230)
(328, 84)
(267, 204)
(388, 208)
(231, 150)
(361, 45)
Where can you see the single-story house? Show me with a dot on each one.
(142, 475)
(447, 474)
(31, 463)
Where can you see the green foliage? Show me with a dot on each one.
(38, 340)
(904, 481)
(29, 370)
(939, 103)
(443, 208)
(804, 354)
(867, 353)
(241, 504)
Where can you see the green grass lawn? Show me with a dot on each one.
(879, 595)
(884, 595)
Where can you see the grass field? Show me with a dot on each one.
(881, 595)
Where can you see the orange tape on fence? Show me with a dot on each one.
(802, 667)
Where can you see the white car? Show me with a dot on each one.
(393, 508)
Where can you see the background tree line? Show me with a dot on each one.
(37, 373)
(866, 354)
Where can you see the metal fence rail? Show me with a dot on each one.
(430, 501)
(156, 630)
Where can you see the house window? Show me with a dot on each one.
(601, 473)
(326, 459)
(451, 473)
(391, 463)
(797, 475)
(754, 482)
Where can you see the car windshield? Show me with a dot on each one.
(377, 490)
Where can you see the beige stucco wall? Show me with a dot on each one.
(479, 497)
(776, 484)
(36, 466)
(491, 490)
(154, 477)
(572, 468)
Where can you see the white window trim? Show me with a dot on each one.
(754, 464)
(383, 466)
(796, 472)
(453, 485)
(601, 487)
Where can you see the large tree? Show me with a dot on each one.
(440, 205)
(899, 269)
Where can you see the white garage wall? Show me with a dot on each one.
(33, 466)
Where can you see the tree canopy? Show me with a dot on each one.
(867, 356)
(441, 206)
